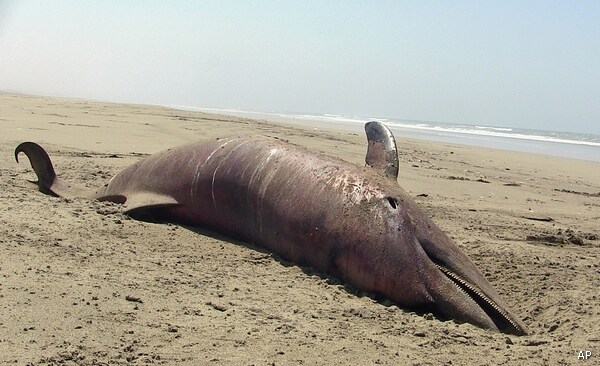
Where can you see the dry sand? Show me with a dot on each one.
(68, 267)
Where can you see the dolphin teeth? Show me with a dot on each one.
(462, 284)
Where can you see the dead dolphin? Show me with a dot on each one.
(355, 223)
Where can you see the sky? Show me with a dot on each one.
(526, 64)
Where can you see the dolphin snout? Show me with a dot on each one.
(461, 292)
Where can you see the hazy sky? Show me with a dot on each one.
(532, 64)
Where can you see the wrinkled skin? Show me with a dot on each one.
(351, 222)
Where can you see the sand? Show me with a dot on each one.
(81, 283)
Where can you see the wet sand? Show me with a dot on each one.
(84, 284)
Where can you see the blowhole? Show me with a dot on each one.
(392, 202)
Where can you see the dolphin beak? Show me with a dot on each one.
(479, 308)
(460, 291)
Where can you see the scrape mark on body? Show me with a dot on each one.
(201, 165)
(212, 186)
(353, 187)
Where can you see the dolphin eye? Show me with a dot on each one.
(392, 202)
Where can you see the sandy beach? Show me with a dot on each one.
(83, 284)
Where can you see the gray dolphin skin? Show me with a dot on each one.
(351, 222)
(382, 152)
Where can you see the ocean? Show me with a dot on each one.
(564, 144)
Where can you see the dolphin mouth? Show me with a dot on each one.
(499, 316)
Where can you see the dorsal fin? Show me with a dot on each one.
(382, 153)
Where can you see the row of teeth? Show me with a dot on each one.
(482, 296)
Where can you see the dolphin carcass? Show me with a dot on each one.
(352, 222)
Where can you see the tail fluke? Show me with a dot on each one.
(47, 182)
